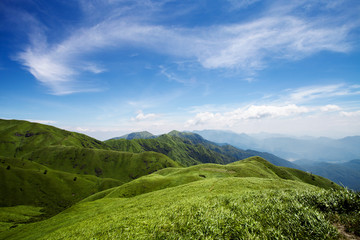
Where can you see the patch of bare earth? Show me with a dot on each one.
(344, 234)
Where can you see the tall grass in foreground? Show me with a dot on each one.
(266, 214)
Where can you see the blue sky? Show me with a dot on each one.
(110, 67)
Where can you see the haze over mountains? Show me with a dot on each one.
(291, 148)
(268, 146)
(336, 159)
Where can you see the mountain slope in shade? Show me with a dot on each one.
(189, 148)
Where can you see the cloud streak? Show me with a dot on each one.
(248, 46)
(247, 113)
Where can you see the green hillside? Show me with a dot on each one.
(21, 137)
(123, 166)
(189, 149)
(139, 189)
(251, 167)
(182, 150)
(51, 168)
(23, 182)
(137, 135)
(249, 199)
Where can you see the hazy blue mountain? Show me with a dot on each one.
(241, 140)
(322, 156)
(345, 174)
(316, 149)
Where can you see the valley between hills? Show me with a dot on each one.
(56, 184)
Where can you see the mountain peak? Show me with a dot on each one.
(136, 135)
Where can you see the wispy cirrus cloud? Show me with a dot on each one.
(311, 93)
(249, 46)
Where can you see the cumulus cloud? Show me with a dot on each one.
(248, 46)
(141, 116)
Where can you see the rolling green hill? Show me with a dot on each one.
(21, 137)
(92, 191)
(51, 168)
(23, 182)
(181, 150)
(251, 167)
(124, 166)
(190, 149)
(137, 135)
(249, 199)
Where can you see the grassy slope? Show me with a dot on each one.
(28, 149)
(103, 163)
(249, 199)
(190, 149)
(27, 183)
(217, 208)
(137, 135)
(251, 167)
(18, 138)
(182, 150)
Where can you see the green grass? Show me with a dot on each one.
(185, 151)
(45, 170)
(191, 149)
(26, 183)
(217, 208)
(11, 217)
(249, 199)
(124, 166)
(48, 167)
(18, 138)
(250, 167)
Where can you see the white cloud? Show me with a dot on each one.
(248, 113)
(141, 116)
(42, 121)
(350, 114)
(330, 108)
(311, 93)
(248, 46)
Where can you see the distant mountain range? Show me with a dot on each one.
(330, 158)
(315, 149)
(190, 148)
(345, 174)
(56, 184)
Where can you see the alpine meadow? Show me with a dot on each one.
(169, 119)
